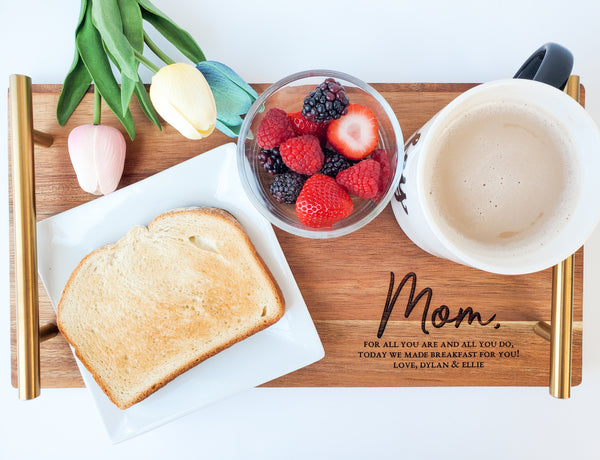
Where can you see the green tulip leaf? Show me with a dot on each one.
(82, 13)
(106, 18)
(133, 25)
(146, 104)
(90, 47)
(142, 96)
(181, 39)
(127, 84)
(127, 88)
(133, 29)
(76, 83)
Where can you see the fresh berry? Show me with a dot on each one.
(362, 179)
(286, 187)
(271, 161)
(334, 163)
(380, 156)
(302, 154)
(355, 135)
(302, 126)
(322, 202)
(328, 101)
(274, 129)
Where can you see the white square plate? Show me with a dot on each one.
(210, 179)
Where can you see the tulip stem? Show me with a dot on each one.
(144, 60)
(156, 50)
(97, 105)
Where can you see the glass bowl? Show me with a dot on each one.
(288, 94)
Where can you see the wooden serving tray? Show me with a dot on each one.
(458, 326)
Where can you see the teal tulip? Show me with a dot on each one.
(233, 96)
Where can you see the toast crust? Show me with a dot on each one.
(107, 388)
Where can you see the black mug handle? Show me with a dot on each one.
(551, 64)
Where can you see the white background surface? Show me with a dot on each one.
(378, 41)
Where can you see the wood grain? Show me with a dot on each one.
(344, 281)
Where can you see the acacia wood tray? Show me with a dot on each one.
(458, 327)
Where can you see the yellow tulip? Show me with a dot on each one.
(182, 97)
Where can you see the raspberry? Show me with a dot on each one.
(380, 156)
(322, 202)
(302, 154)
(274, 129)
(334, 163)
(327, 102)
(303, 126)
(271, 161)
(286, 187)
(362, 179)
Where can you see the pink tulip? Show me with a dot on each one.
(98, 155)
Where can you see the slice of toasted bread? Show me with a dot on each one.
(164, 298)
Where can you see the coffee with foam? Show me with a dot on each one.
(501, 176)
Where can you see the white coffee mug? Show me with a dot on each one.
(505, 178)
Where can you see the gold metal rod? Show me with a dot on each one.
(561, 334)
(543, 329)
(43, 139)
(48, 331)
(28, 348)
(561, 329)
(572, 87)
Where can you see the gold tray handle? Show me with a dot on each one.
(28, 330)
(560, 330)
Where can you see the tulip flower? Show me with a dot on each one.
(98, 155)
(181, 95)
(110, 36)
(233, 96)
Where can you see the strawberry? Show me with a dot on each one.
(322, 202)
(274, 129)
(302, 126)
(302, 154)
(362, 179)
(380, 156)
(354, 135)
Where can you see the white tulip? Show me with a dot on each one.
(182, 97)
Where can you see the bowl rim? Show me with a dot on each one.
(257, 106)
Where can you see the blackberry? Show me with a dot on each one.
(327, 102)
(286, 187)
(334, 162)
(271, 161)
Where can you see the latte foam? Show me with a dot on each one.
(502, 176)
